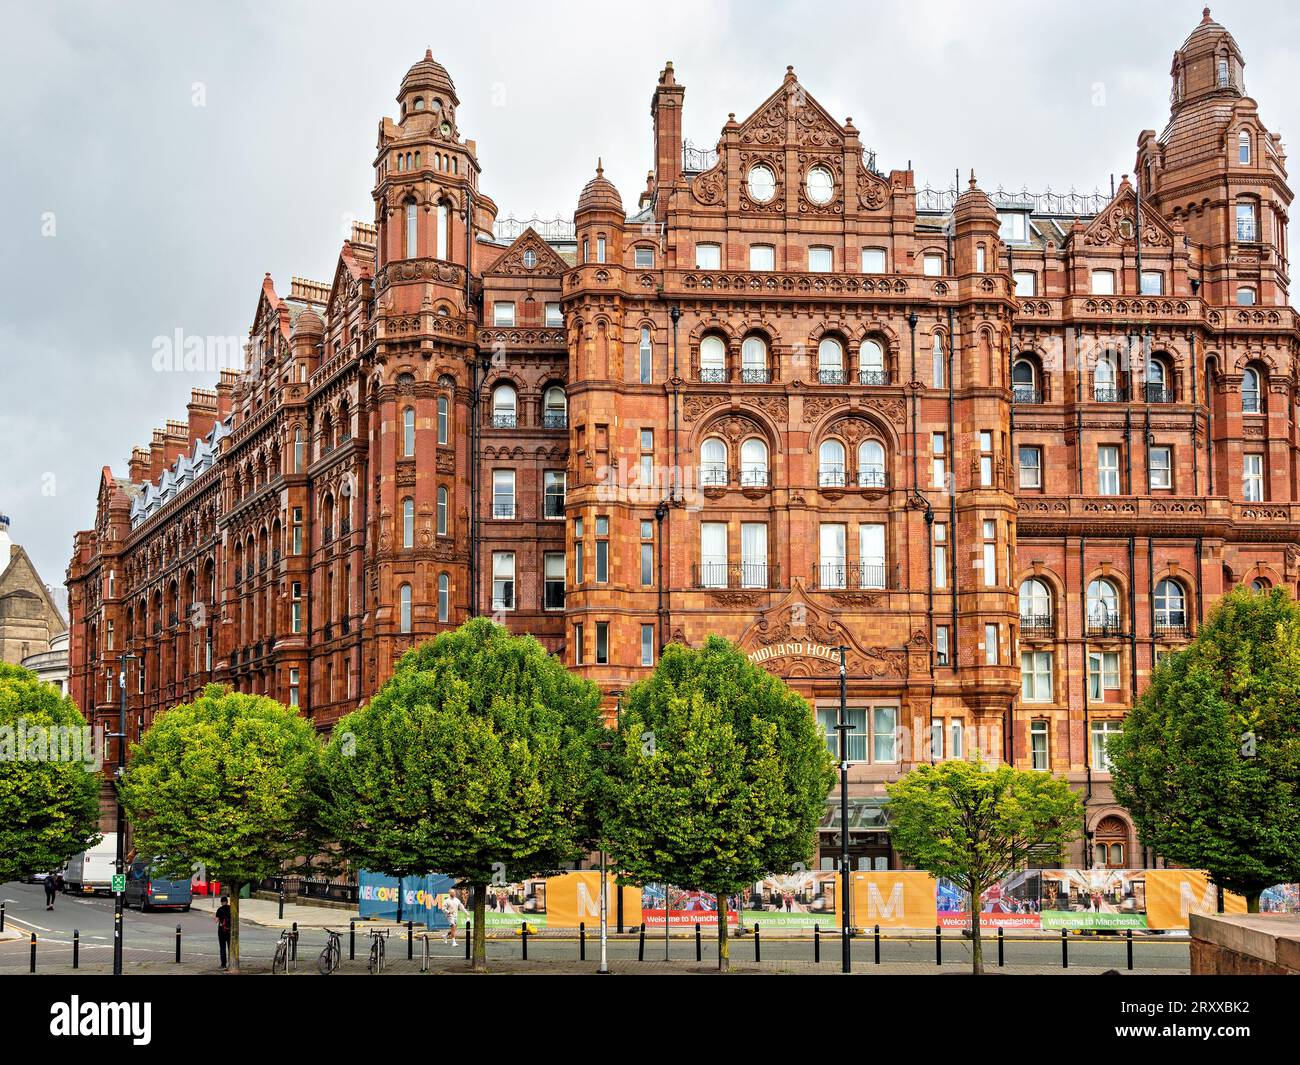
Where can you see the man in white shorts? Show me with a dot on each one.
(451, 907)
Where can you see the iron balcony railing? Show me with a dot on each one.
(555, 419)
(832, 377)
(1109, 394)
(1158, 394)
(736, 575)
(713, 374)
(553, 506)
(1036, 624)
(503, 510)
(1104, 623)
(830, 475)
(755, 375)
(836, 574)
(713, 475)
(1026, 394)
(753, 476)
(873, 377)
(871, 477)
(1174, 626)
(505, 421)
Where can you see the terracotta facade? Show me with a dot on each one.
(1005, 450)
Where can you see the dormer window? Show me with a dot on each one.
(1013, 225)
(1223, 73)
(530, 258)
(1243, 147)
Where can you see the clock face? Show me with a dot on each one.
(820, 185)
(762, 183)
(446, 129)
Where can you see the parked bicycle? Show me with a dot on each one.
(377, 940)
(285, 948)
(331, 955)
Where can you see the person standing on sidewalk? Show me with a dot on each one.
(222, 917)
(452, 908)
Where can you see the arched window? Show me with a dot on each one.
(713, 462)
(408, 432)
(871, 363)
(1171, 604)
(404, 601)
(408, 522)
(442, 511)
(1243, 147)
(440, 247)
(1024, 382)
(444, 419)
(412, 214)
(830, 464)
(1103, 607)
(753, 361)
(830, 362)
(1259, 585)
(1105, 389)
(1035, 606)
(444, 596)
(504, 407)
(753, 462)
(871, 464)
(1110, 849)
(555, 408)
(1159, 380)
(713, 359)
(1251, 393)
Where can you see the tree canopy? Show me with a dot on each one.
(1208, 763)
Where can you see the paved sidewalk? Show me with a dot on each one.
(267, 913)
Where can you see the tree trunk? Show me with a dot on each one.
(1252, 901)
(977, 944)
(478, 961)
(724, 945)
(234, 927)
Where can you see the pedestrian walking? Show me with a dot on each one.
(222, 917)
(452, 908)
(51, 889)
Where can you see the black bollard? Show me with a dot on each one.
(877, 944)
(699, 945)
(582, 941)
(1129, 944)
(640, 949)
(1065, 950)
(76, 947)
(352, 940)
(817, 942)
(523, 936)
(281, 905)
(178, 944)
(410, 940)
(1001, 956)
(758, 950)
(293, 943)
(469, 936)
(2, 916)
(33, 952)
(938, 944)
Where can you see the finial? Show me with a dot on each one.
(972, 177)
(600, 170)
(428, 53)
(789, 72)
(1205, 15)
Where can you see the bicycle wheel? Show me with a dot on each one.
(325, 963)
(281, 958)
(374, 957)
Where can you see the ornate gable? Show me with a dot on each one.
(514, 261)
(1115, 225)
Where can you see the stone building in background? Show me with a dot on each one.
(30, 619)
(1005, 450)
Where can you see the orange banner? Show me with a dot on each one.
(893, 899)
(575, 897)
(1173, 894)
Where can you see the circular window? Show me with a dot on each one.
(821, 185)
(762, 183)
(530, 258)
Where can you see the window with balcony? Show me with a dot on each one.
(1247, 230)
(1103, 282)
(713, 462)
(554, 316)
(832, 557)
(1251, 391)
(1024, 382)
(1105, 381)
(503, 580)
(762, 257)
(1035, 607)
(932, 264)
(505, 407)
(713, 554)
(555, 408)
(821, 259)
(1159, 380)
(873, 260)
(1103, 608)
(830, 362)
(871, 363)
(643, 258)
(503, 313)
(708, 256)
(503, 494)
(753, 554)
(830, 464)
(753, 463)
(753, 361)
(871, 556)
(1026, 282)
(713, 359)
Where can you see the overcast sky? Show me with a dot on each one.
(157, 159)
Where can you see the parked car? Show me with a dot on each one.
(148, 891)
(91, 871)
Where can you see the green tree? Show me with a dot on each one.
(49, 783)
(227, 783)
(478, 759)
(1208, 763)
(973, 825)
(719, 776)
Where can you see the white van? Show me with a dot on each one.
(91, 871)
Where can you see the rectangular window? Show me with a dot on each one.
(936, 739)
(980, 259)
(554, 316)
(1013, 225)
(553, 580)
(503, 494)
(577, 644)
(643, 258)
(708, 256)
(577, 551)
(753, 554)
(1103, 673)
(553, 493)
(957, 739)
(293, 687)
(1103, 282)
(856, 745)
(991, 644)
(821, 259)
(762, 257)
(1036, 676)
(1153, 283)
(647, 645)
(941, 554)
(647, 565)
(1102, 731)
(873, 260)
(1246, 222)
(1031, 467)
(936, 359)
(1252, 478)
(602, 643)
(932, 265)
(1108, 470)
(1026, 283)
(990, 566)
(108, 636)
(645, 357)
(295, 607)
(713, 554)
(871, 556)
(884, 734)
(600, 249)
(503, 580)
(941, 654)
(1039, 753)
(503, 314)
(986, 459)
(938, 449)
(297, 530)
(1246, 296)
(833, 557)
(1161, 468)
(602, 550)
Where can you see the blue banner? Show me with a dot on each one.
(415, 898)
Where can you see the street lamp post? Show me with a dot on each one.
(842, 726)
(120, 736)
